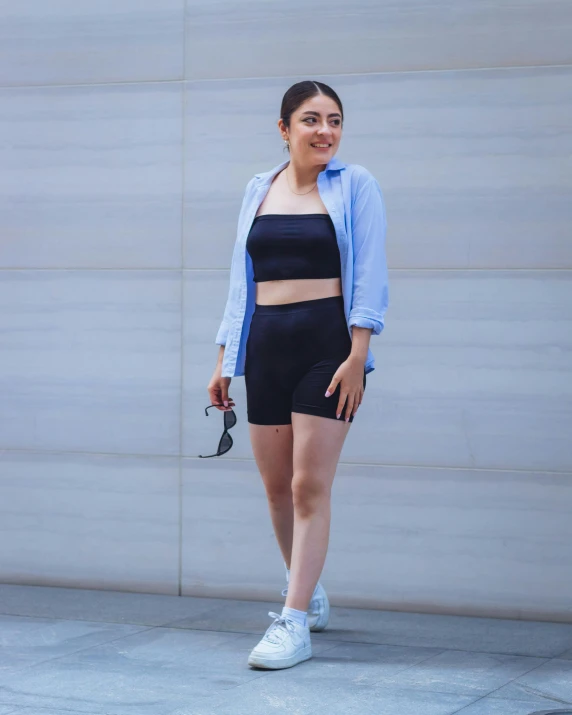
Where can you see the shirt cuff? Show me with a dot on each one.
(367, 319)
(222, 335)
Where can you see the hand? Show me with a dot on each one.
(218, 390)
(349, 376)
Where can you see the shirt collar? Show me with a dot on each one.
(334, 164)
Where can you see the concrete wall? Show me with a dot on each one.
(129, 129)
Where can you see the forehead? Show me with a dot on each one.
(320, 103)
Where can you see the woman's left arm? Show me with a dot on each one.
(370, 292)
(370, 289)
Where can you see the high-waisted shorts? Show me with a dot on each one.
(292, 353)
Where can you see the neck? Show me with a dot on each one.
(303, 176)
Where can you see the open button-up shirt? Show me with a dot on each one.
(355, 204)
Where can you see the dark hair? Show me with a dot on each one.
(298, 93)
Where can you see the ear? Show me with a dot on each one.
(282, 129)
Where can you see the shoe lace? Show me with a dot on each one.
(279, 629)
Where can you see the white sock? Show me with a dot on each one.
(294, 615)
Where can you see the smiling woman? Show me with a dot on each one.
(308, 288)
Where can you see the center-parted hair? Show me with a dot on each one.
(298, 93)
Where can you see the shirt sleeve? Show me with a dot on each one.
(234, 279)
(222, 334)
(370, 287)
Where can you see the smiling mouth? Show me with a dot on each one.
(318, 145)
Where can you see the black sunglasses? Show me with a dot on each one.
(226, 440)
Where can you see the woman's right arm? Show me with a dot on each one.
(234, 278)
(218, 385)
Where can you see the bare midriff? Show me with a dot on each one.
(292, 291)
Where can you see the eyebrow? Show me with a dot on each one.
(317, 114)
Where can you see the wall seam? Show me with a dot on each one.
(507, 68)
(5, 451)
(182, 327)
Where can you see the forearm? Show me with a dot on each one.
(360, 343)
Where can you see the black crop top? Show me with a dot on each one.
(287, 246)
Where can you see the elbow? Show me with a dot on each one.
(364, 318)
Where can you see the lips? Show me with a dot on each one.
(321, 145)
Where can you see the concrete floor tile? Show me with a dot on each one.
(355, 663)
(92, 605)
(495, 706)
(281, 692)
(28, 641)
(549, 685)
(234, 616)
(462, 673)
(149, 673)
(483, 635)
(48, 711)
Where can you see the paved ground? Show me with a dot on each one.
(67, 651)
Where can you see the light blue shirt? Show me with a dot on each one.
(354, 202)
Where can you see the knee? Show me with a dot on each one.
(308, 494)
(278, 491)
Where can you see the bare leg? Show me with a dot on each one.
(272, 447)
(318, 442)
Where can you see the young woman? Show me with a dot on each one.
(308, 288)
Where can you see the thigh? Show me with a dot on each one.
(272, 446)
(317, 445)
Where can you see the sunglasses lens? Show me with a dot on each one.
(225, 443)
(229, 420)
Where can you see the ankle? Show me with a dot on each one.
(293, 614)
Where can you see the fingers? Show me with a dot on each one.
(349, 401)
(349, 407)
(332, 386)
(218, 395)
(341, 403)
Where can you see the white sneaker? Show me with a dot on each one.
(318, 609)
(284, 644)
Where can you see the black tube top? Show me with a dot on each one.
(287, 246)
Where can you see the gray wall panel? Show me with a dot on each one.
(473, 369)
(66, 42)
(91, 176)
(90, 361)
(91, 521)
(129, 131)
(475, 166)
(432, 540)
(259, 39)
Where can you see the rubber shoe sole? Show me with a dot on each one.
(262, 661)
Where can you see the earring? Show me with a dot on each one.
(287, 144)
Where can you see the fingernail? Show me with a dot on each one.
(347, 419)
(225, 402)
(327, 393)
(337, 417)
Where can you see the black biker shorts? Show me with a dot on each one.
(292, 353)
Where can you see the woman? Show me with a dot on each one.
(308, 288)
